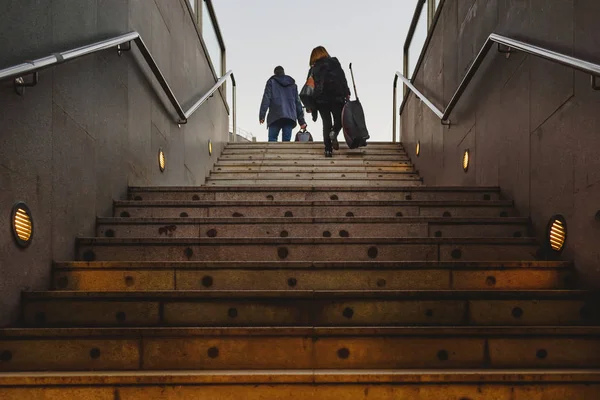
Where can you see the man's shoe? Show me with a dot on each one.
(328, 154)
(334, 141)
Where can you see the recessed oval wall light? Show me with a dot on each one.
(22, 224)
(557, 233)
(418, 149)
(210, 148)
(162, 161)
(466, 160)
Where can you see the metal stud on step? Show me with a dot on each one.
(283, 252)
(207, 281)
(213, 352)
(211, 233)
(6, 356)
(343, 353)
(517, 312)
(372, 252)
(95, 353)
(442, 355)
(348, 312)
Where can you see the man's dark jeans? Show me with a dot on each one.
(281, 124)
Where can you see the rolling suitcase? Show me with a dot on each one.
(353, 121)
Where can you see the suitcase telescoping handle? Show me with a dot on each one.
(353, 82)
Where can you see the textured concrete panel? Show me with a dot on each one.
(584, 233)
(110, 125)
(514, 143)
(551, 25)
(552, 168)
(23, 269)
(71, 219)
(450, 56)
(35, 37)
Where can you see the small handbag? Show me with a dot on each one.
(307, 94)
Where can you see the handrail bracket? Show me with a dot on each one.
(505, 50)
(20, 83)
(595, 84)
(121, 48)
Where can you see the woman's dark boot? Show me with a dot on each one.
(334, 141)
(328, 153)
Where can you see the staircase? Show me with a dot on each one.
(290, 275)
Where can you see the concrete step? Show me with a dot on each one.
(547, 384)
(140, 276)
(317, 162)
(311, 227)
(315, 152)
(312, 209)
(307, 249)
(319, 175)
(257, 193)
(290, 349)
(276, 182)
(308, 145)
(210, 308)
(388, 157)
(358, 168)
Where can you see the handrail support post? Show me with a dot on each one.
(505, 50)
(121, 48)
(20, 83)
(594, 81)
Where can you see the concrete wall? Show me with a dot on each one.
(92, 127)
(533, 127)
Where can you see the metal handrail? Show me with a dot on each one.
(511, 44)
(121, 43)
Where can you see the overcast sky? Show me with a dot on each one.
(261, 34)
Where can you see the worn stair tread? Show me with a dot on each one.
(436, 295)
(400, 265)
(458, 189)
(294, 168)
(301, 331)
(315, 220)
(364, 376)
(332, 203)
(307, 241)
(275, 176)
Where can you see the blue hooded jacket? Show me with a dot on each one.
(282, 100)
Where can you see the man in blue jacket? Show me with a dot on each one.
(282, 100)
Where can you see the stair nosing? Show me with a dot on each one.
(312, 376)
(313, 295)
(457, 189)
(388, 331)
(315, 220)
(370, 265)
